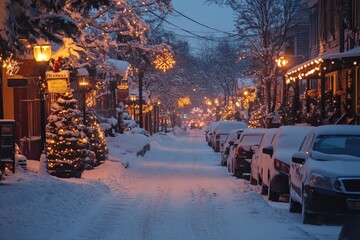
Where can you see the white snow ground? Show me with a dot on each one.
(178, 190)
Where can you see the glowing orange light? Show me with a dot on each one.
(164, 62)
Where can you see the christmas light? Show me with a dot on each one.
(164, 62)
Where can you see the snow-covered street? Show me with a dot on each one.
(178, 190)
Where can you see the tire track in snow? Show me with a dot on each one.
(204, 218)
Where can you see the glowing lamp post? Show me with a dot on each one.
(42, 55)
(132, 99)
(282, 62)
(83, 87)
(163, 62)
(156, 103)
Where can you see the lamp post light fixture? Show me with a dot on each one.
(83, 87)
(42, 55)
(132, 98)
(283, 63)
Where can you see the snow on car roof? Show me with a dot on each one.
(288, 140)
(337, 129)
(255, 131)
(227, 126)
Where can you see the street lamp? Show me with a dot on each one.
(83, 87)
(132, 99)
(157, 106)
(282, 62)
(42, 55)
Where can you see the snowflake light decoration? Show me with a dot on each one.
(11, 65)
(164, 62)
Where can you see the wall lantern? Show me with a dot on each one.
(42, 52)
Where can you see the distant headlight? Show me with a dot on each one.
(320, 181)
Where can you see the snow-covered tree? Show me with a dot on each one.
(67, 147)
(96, 138)
(117, 29)
(257, 117)
(38, 19)
(222, 68)
(264, 30)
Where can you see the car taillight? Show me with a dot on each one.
(217, 136)
(239, 151)
(280, 166)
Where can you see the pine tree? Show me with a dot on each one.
(67, 147)
(96, 138)
(257, 117)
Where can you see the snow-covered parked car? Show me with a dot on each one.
(325, 173)
(222, 130)
(210, 132)
(229, 142)
(257, 158)
(244, 150)
(276, 163)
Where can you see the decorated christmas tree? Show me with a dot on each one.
(257, 117)
(96, 138)
(67, 147)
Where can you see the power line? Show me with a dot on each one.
(182, 29)
(195, 37)
(201, 24)
(187, 31)
(202, 32)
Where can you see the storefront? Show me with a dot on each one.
(333, 84)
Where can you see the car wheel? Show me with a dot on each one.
(308, 218)
(253, 181)
(260, 180)
(237, 173)
(273, 196)
(264, 189)
(294, 207)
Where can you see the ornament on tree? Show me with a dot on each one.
(56, 64)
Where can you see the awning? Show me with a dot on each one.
(355, 52)
(119, 67)
(311, 68)
(307, 69)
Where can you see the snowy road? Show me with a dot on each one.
(178, 190)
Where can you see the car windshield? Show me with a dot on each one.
(338, 144)
(251, 139)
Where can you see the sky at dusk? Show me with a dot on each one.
(211, 15)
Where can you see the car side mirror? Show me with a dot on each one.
(298, 157)
(254, 148)
(268, 150)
